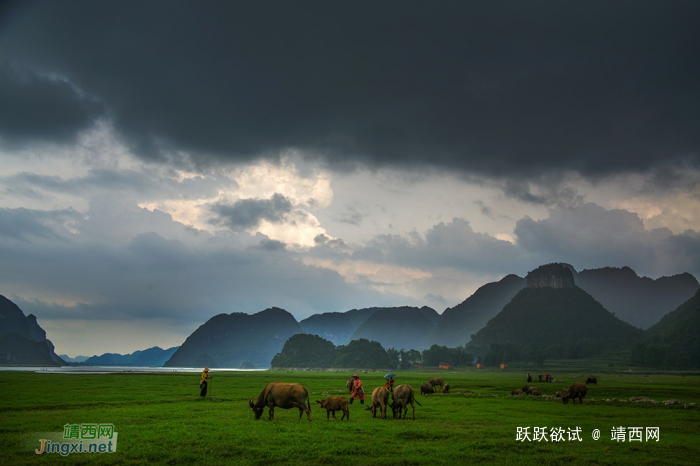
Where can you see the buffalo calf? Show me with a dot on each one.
(333, 404)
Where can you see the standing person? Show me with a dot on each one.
(358, 392)
(390, 385)
(204, 382)
(529, 377)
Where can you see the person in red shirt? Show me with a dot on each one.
(390, 385)
(358, 392)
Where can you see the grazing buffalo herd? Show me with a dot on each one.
(576, 390)
(293, 395)
(431, 386)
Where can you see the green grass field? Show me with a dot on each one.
(160, 419)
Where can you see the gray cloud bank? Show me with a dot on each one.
(496, 88)
(157, 268)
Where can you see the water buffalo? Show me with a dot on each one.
(446, 388)
(349, 385)
(380, 398)
(516, 392)
(436, 381)
(535, 392)
(333, 404)
(283, 395)
(576, 390)
(528, 389)
(403, 396)
(426, 387)
(592, 380)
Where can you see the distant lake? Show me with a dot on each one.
(115, 369)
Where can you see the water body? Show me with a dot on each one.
(116, 369)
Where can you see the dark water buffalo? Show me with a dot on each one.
(436, 381)
(380, 399)
(349, 384)
(446, 388)
(576, 390)
(404, 396)
(426, 387)
(516, 392)
(592, 380)
(528, 389)
(282, 395)
(333, 404)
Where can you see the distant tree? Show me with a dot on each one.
(459, 356)
(394, 356)
(303, 350)
(363, 353)
(409, 358)
(436, 354)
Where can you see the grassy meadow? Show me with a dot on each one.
(161, 420)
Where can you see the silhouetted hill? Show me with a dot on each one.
(16, 350)
(398, 327)
(22, 340)
(151, 357)
(459, 323)
(303, 350)
(675, 340)
(237, 340)
(557, 317)
(337, 327)
(12, 319)
(640, 301)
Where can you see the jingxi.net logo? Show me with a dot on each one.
(76, 438)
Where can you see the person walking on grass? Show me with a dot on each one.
(358, 392)
(204, 383)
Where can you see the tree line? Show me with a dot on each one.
(305, 350)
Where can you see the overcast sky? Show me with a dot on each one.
(166, 161)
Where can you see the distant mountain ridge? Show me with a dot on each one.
(554, 316)
(337, 327)
(151, 357)
(243, 340)
(237, 340)
(69, 360)
(460, 322)
(640, 301)
(398, 327)
(675, 340)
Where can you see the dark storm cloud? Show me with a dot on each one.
(497, 88)
(248, 213)
(545, 191)
(45, 108)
